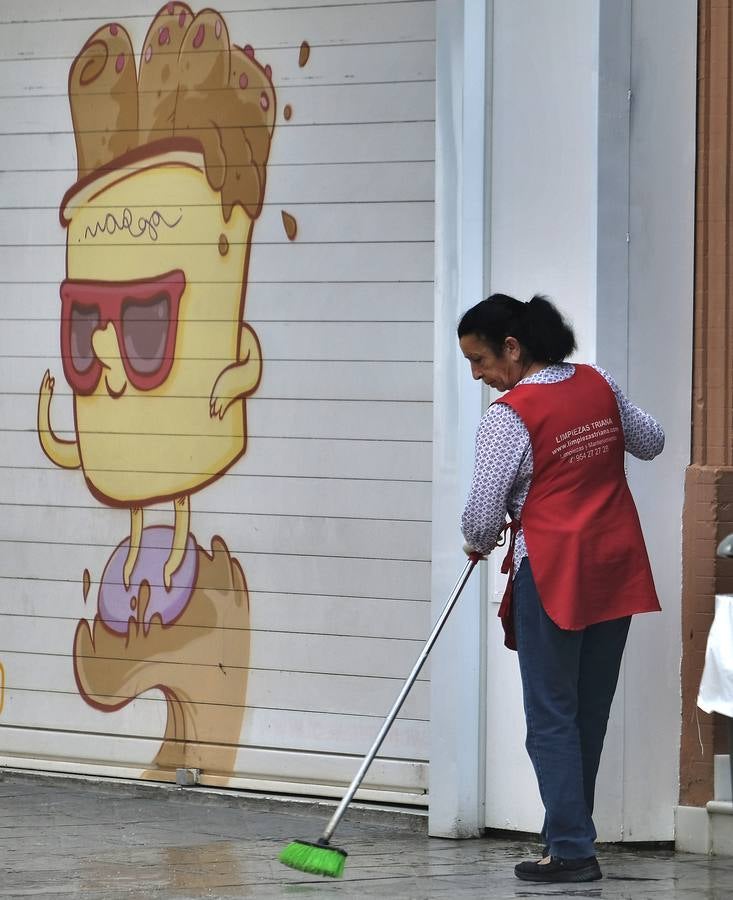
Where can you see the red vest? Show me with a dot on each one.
(580, 524)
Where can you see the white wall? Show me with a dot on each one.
(591, 203)
(661, 290)
(542, 239)
(543, 152)
(457, 666)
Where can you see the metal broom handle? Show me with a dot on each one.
(368, 759)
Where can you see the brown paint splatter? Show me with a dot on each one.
(290, 225)
(304, 55)
(142, 606)
(86, 583)
(288, 112)
(223, 244)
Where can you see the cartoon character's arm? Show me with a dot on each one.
(239, 379)
(60, 452)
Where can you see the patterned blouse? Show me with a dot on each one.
(502, 471)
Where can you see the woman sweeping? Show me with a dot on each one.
(550, 453)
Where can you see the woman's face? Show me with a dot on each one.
(499, 372)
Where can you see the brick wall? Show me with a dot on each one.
(708, 513)
(707, 518)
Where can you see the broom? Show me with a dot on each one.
(320, 858)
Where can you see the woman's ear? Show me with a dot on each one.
(512, 348)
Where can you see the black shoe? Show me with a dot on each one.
(560, 870)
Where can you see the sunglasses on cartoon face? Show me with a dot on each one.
(145, 318)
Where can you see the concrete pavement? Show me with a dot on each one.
(66, 837)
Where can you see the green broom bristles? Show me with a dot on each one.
(317, 859)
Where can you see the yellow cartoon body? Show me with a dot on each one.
(138, 445)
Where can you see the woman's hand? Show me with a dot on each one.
(470, 551)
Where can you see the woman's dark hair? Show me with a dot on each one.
(538, 325)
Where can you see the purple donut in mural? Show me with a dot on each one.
(117, 605)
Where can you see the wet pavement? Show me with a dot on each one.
(65, 837)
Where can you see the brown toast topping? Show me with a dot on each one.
(192, 83)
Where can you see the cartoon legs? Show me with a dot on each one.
(136, 533)
(182, 508)
(182, 521)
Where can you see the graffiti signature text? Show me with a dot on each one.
(149, 225)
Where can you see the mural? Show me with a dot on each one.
(172, 156)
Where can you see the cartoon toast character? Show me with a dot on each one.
(171, 163)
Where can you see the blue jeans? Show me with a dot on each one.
(568, 681)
